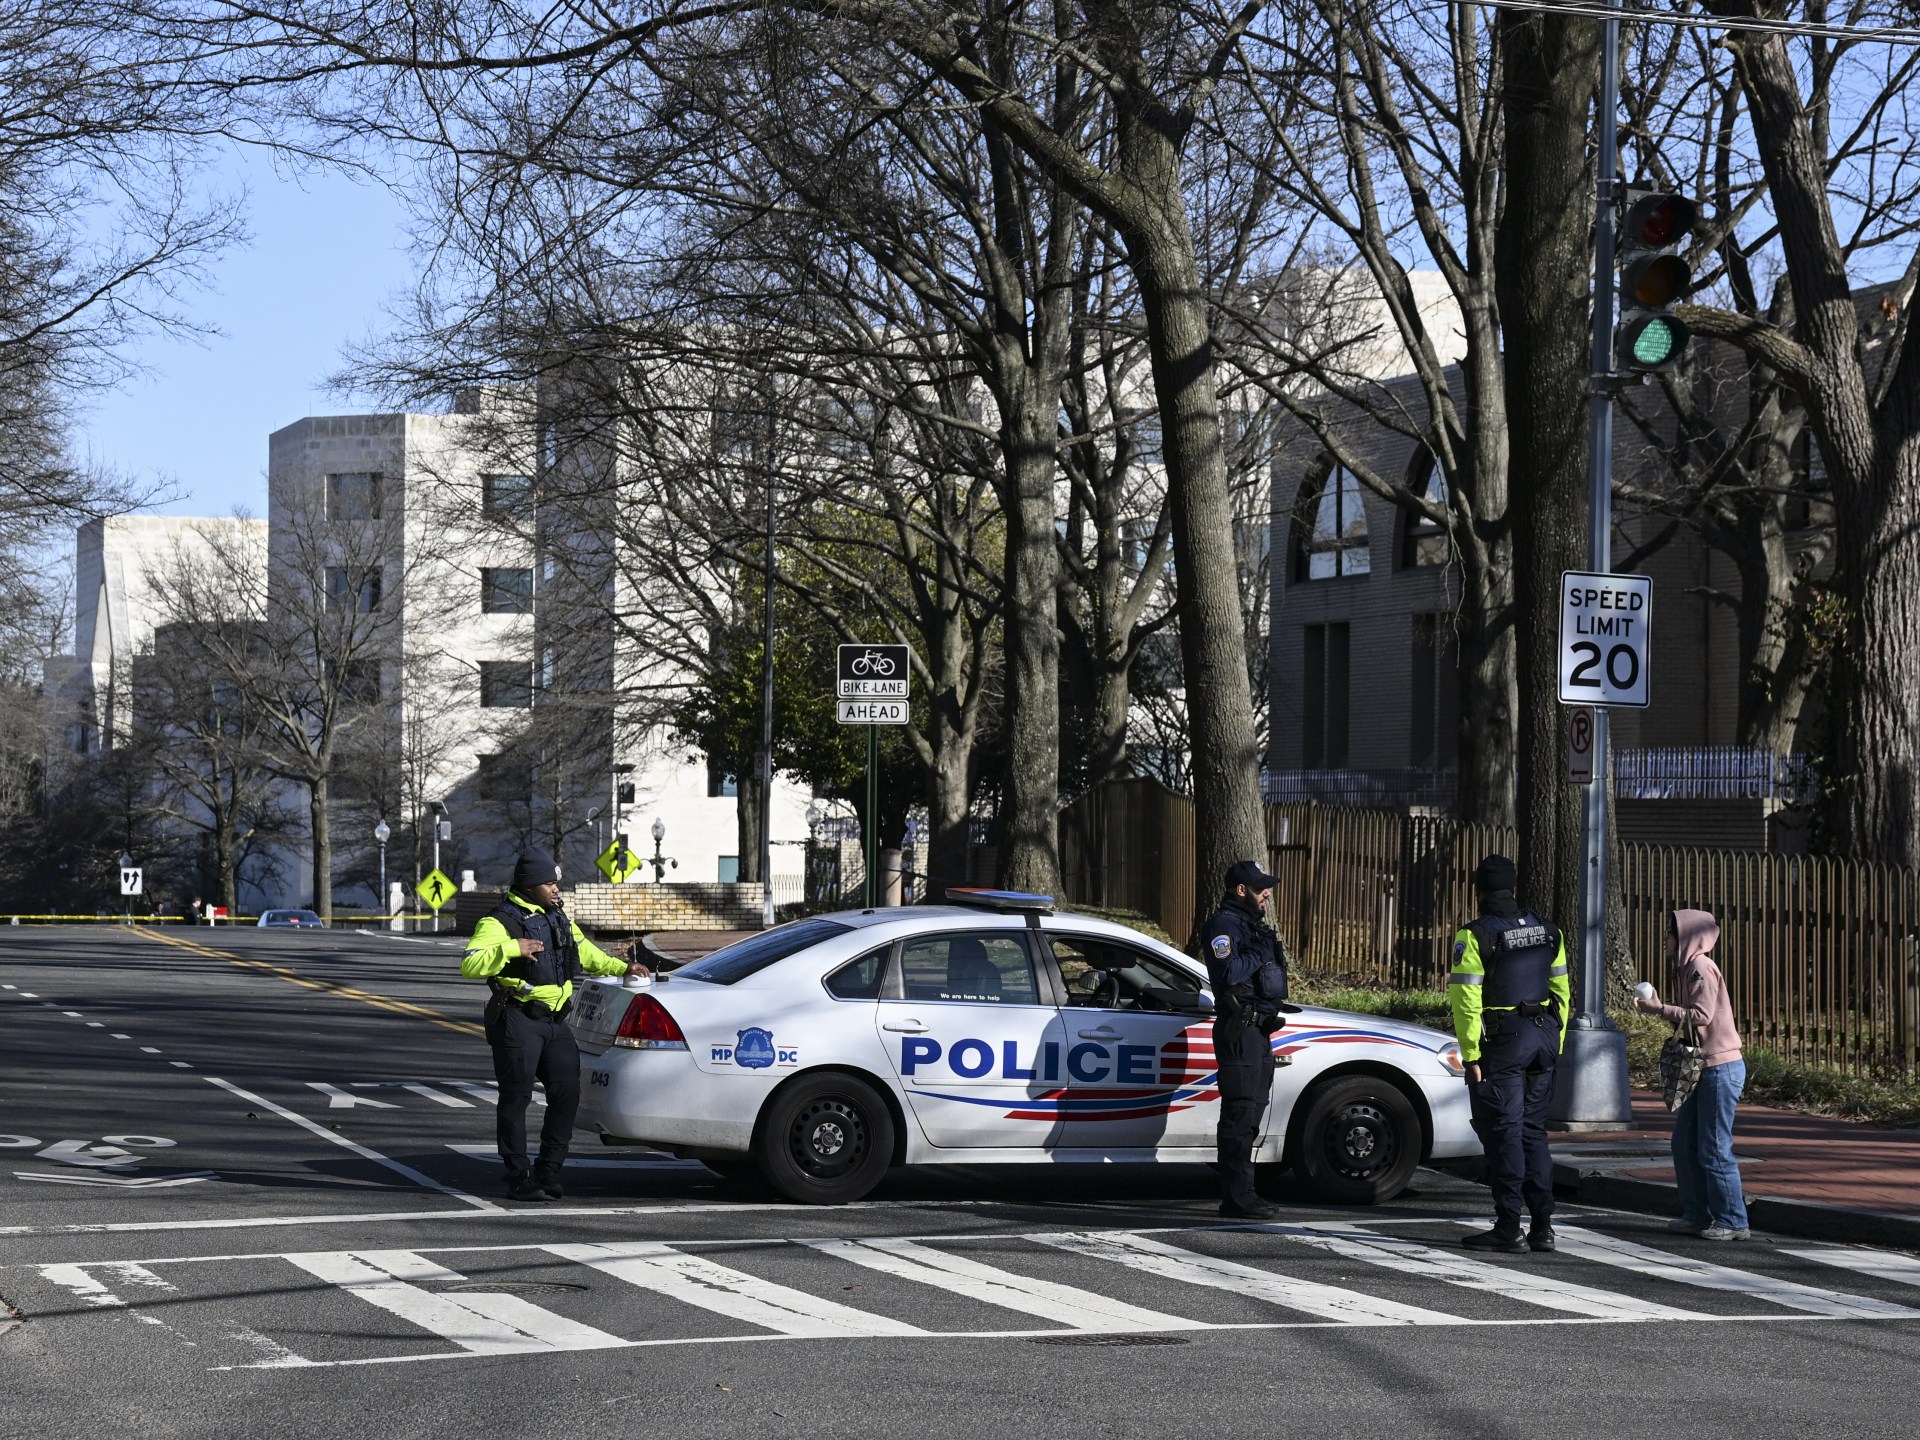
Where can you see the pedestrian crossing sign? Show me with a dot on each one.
(617, 862)
(436, 890)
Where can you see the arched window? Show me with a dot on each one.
(1330, 528)
(1424, 541)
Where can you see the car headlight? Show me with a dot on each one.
(1450, 1060)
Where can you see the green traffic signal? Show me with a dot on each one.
(1655, 342)
(1654, 277)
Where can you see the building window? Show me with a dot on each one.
(507, 777)
(1424, 540)
(1323, 697)
(1330, 528)
(506, 591)
(356, 681)
(506, 684)
(720, 785)
(505, 494)
(354, 496)
(729, 869)
(354, 588)
(738, 422)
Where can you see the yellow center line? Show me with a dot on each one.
(329, 987)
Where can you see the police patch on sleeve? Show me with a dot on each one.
(1222, 946)
(1459, 948)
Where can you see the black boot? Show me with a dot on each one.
(1502, 1240)
(1540, 1235)
(549, 1183)
(1257, 1208)
(527, 1188)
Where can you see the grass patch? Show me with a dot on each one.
(1132, 919)
(1421, 1007)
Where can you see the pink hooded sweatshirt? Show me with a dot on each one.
(1701, 990)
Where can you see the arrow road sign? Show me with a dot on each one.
(130, 880)
(436, 889)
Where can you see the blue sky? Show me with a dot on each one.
(326, 255)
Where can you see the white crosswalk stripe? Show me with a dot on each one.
(486, 1324)
(664, 1283)
(1881, 1264)
(1449, 1267)
(697, 1281)
(1058, 1304)
(1172, 1263)
(1658, 1264)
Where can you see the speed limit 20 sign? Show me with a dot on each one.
(1604, 636)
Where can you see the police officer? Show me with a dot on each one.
(1511, 1001)
(1246, 965)
(530, 953)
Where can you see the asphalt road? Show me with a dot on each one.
(247, 1189)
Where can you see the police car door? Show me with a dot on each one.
(1140, 1069)
(976, 1039)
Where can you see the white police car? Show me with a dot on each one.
(828, 1049)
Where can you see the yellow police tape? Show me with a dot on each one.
(345, 992)
(105, 918)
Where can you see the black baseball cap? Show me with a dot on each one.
(1247, 873)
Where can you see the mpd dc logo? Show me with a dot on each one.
(754, 1050)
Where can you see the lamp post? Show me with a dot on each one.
(808, 889)
(593, 819)
(382, 833)
(660, 862)
(126, 863)
(909, 872)
(618, 771)
(442, 830)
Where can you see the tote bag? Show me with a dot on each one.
(1681, 1062)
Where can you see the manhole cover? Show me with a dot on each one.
(1109, 1340)
(541, 1285)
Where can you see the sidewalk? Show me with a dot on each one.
(1805, 1174)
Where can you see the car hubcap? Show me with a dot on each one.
(1361, 1140)
(828, 1138)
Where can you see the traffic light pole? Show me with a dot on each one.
(1592, 1093)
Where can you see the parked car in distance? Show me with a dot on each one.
(290, 919)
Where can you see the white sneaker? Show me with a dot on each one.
(1726, 1232)
(1684, 1226)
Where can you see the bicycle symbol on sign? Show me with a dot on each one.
(873, 662)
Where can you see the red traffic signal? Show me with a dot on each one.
(1657, 221)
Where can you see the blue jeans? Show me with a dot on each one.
(1703, 1165)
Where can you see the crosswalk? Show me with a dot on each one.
(395, 1306)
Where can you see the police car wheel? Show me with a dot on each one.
(1359, 1142)
(827, 1140)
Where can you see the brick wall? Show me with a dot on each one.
(642, 909)
(637, 909)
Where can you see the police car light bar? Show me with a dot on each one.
(1002, 902)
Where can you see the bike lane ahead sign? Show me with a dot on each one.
(873, 672)
(1605, 639)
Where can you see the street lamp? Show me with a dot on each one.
(660, 862)
(593, 819)
(442, 830)
(383, 833)
(126, 863)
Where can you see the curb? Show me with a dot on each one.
(1800, 1218)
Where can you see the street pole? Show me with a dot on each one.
(873, 815)
(764, 762)
(1594, 1093)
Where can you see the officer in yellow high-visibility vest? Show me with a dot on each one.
(530, 954)
(1511, 1001)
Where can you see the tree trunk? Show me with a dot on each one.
(322, 849)
(749, 806)
(1219, 700)
(1544, 265)
(1029, 813)
(224, 845)
(950, 819)
(1488, 699)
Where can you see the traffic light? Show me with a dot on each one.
(1654, 277)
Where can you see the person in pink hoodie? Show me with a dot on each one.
(1711, 1203)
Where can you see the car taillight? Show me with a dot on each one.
(648, 1026)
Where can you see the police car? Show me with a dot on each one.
(994, 1030)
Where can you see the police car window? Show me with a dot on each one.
(1102, 975)
(860, 979)
(757, 952)
(990, 968)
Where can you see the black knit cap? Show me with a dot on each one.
(535, 867)
(1495, 873)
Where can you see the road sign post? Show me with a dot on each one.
(873, 689)
(1592, 1093)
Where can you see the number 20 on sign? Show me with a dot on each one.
(1604, 633)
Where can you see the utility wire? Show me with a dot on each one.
(1889, 35)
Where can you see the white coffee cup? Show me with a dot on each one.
(1644, 990)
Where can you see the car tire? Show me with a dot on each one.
(1360, 1141)
(826, 1139)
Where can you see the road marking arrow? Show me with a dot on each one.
(99, 1157)
(127, 1182)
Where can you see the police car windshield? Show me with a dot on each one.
(752, 955)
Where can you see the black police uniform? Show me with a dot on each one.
(1510, 998)
(531, 1041)
(1246, 967)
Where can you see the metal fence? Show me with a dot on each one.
(1712, 772)
(1821, 956)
